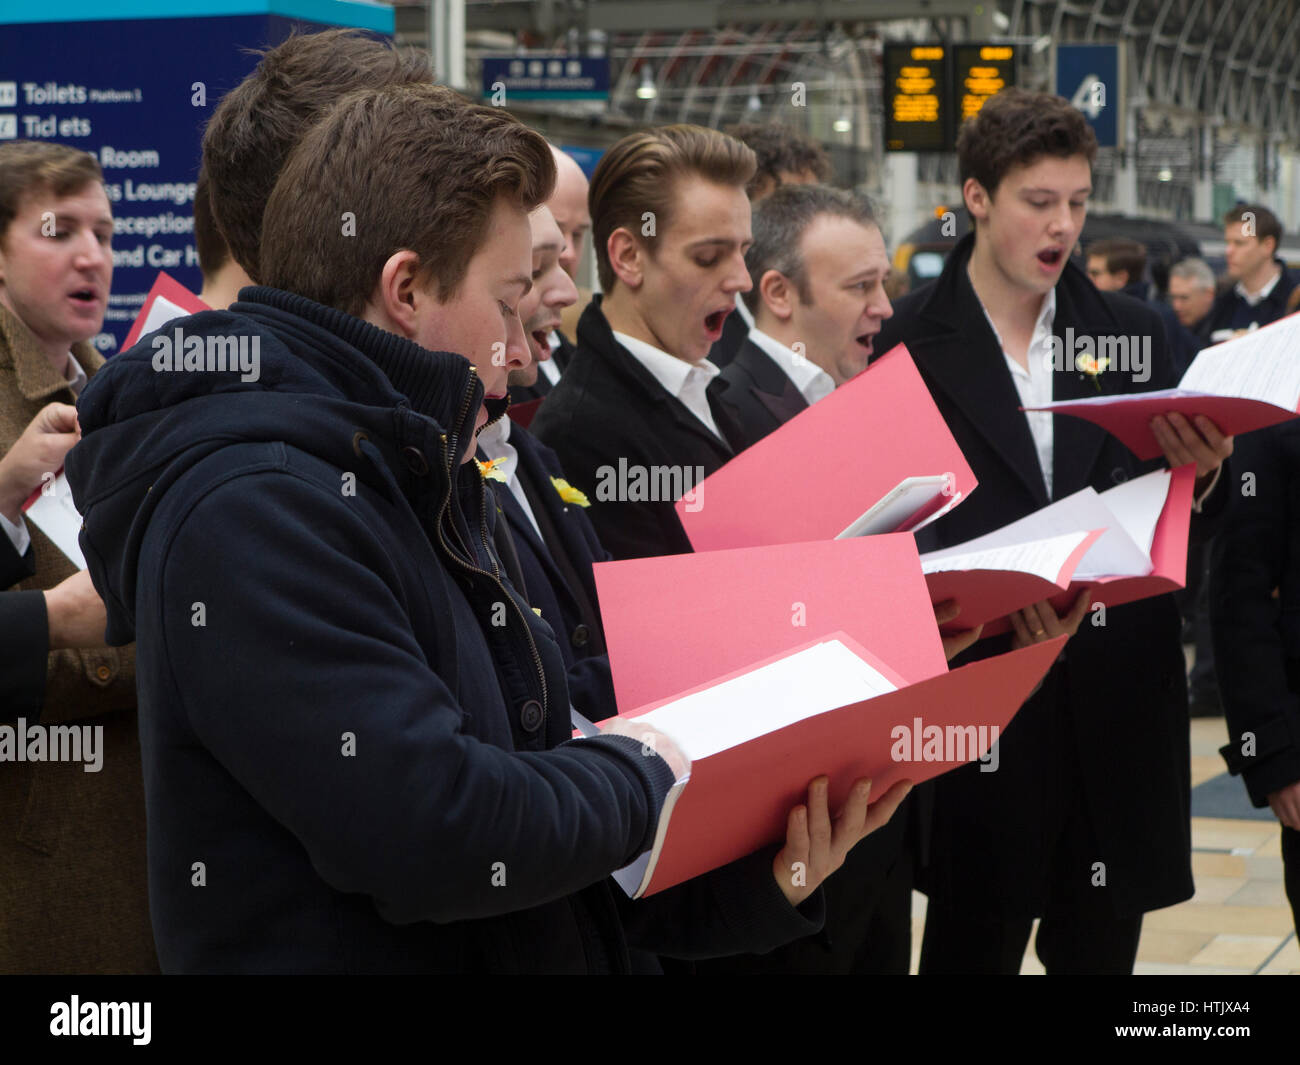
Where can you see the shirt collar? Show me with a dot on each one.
(671, 372)
(76, 376)
(1263, 294)
(811, 380)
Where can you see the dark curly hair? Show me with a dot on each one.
(1016, 128)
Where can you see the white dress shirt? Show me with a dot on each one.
(686, 380)
(1034, 385)
(495, 442)
(1256, 298)
(811, 380)
(744, 312)
(548, 369)
(17, 533)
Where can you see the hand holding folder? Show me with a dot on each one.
(817, 669)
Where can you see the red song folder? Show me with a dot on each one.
(1117, 566)
(819, 474)
(673, 622)
(167, 299)
(741, 787)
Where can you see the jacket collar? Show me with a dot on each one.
(37, 380)
(971, 369)
(772, 386)
(594, 332)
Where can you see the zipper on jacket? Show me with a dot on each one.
(448, 458)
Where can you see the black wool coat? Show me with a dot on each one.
(759, 394)
(1106, 737)
(608, 413)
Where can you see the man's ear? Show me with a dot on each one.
(977, 199)
(777, 294)
(398, 297)
(626, 257)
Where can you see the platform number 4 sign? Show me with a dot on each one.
(1090, 96)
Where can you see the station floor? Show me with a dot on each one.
(1238, 922)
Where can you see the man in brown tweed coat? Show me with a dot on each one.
(72, 843)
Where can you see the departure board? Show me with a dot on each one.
(917, 94)
(979, 70)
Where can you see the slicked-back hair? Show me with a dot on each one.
(1120, 253)
(407, 167)
(29, 168)
(780, 222)
(1017, 128)
(780, 150)
(208, 241)
(1197, 270)
(257, 123)
(639, 174)
(1264, 221)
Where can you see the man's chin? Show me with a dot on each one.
(523, 378)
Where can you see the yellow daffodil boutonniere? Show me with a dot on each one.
(1092, 367)
(570, 494)
(491, 470)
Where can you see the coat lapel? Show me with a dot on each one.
(772, 388)
(966, 362)
(1076, 443)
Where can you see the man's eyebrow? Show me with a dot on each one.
(727, 241)
(1085, 190)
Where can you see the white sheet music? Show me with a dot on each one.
(1116, 552)
(813, 681)
(1043, 558)
(1264, 365)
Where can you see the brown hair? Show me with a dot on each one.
(1265, 222)
(780, 150)
(406, 167)
(208, 241)
(638, 173)
(1016, 128)
(258, 122)
(31, 167)
(1120, 253)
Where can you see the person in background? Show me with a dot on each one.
(1254, 589)
(782, 157)
(568, 208)
(1261, 283)
(1118, 264)
(72, 862)
(1191, 294)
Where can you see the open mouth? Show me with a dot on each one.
(83, 295)
(713, 322)
(865, 340)
(1051, 256)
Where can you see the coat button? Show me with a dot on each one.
(103, 673)
(530, 715)
(580, 636)
(415, 460)
(1119, 475)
